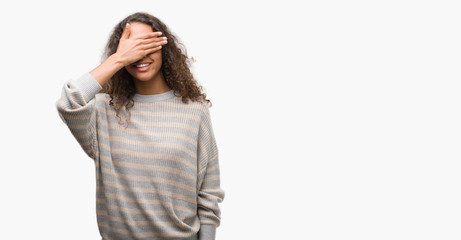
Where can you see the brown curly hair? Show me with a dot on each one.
(175, 67)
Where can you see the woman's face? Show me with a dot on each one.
(152, 71)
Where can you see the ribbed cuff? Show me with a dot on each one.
(89, 86)
(207, 232)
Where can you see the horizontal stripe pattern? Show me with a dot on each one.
(156, 177)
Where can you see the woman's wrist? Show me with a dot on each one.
(117, 61)
(107, 69)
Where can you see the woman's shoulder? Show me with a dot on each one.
(192, 104)
(102, 101)
(101, 98)
(200, 107)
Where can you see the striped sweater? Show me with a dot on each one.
(157, 176)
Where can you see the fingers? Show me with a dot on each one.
(152, 40)
(152, 50)
(127, 31)
(150, 35)
(154, 44)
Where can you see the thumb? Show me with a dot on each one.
(127, 31)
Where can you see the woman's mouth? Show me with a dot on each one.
(142, 67)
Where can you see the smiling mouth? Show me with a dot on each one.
(142, 66)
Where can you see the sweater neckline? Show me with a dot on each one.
(153, 97)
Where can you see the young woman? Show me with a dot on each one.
(145, 122)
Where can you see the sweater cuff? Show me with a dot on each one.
(207, 232)
(88, 85)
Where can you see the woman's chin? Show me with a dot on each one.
(143, 77)
(140, 75)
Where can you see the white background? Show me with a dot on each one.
(334, 119)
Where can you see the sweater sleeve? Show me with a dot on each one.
(76, 107)
(210, 193)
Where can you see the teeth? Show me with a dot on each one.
(142, 65)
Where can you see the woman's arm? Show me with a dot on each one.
(77, 104)
(107, 69)
(210, 193)
(77, 109)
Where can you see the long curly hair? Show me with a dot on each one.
(175, 67)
